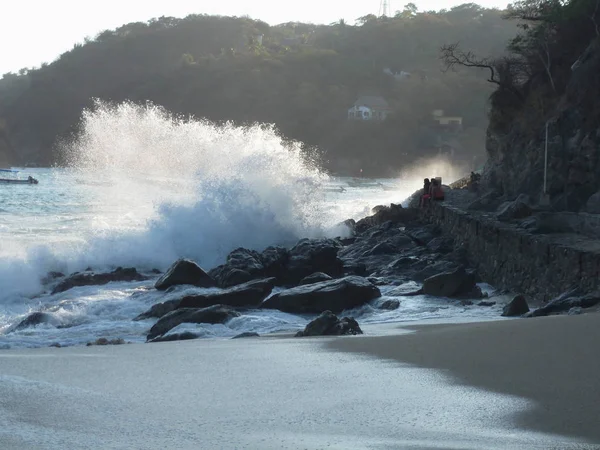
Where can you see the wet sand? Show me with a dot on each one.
(553, 361)
(286, 393)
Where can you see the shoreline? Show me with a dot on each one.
(548, 360)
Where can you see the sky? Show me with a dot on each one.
(38, 31)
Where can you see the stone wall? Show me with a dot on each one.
(540, 266)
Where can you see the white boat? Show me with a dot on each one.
(28, 180)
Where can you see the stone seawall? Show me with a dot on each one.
(507, 257)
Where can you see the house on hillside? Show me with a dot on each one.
(451, 123)
(369, 107)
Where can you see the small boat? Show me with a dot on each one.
(28, 180)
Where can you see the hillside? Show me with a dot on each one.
(302, 77)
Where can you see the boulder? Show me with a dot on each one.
(160, 309)
(393, 213)
(248, 334)
(212, 314)
(328, 324)
(229, 276)
(516, 307)
(450, 284)
(185, 336)
(313, 255)
(242, 266)
(274, 260)
(334, 295)
(184, 271)
(436, 268)
(246, 295)
(422, 235)
(316, 277)
(517, 209)
(565, 302)
(390, 305)
(38, 318)
(97, 279)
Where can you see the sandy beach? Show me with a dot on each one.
(521, 384)
(553, 361)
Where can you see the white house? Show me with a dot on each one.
(369, 107)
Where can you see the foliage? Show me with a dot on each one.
(302, 77)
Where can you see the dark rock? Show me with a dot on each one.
(384, 248)
(484, 303)
(390, 305)
(313, 255)
(51, 276)
(274, 260)
(246, 335)
(393, 213)
(38, 318)
(160, 309)
(359, 269)
(334, 295)
(441, 245)
(105, 341)
(212, 314)
(98, 279)
(56, 345)
(184, 271)
(250, 294)
(424, 234)
(436, 268)
(466, 303)
(517, 307)
(242, 266)
(316, 277)
(328, 324)
(229, 276)
(450, 284)
(185, 336)
(567, 301)
(486, 202)
(518, 209)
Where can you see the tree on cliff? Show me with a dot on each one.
(302, 77)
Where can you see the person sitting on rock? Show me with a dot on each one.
(426, 192)
(437, 193)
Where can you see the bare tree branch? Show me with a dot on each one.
(453, 56)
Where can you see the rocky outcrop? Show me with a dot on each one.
(568, 301)
(328, 324)
(393, 213)
(313, 255)
(246, 295)
(334, 295)
(90, 278)
(458, 283)
(213, 314)
(517, 307)
(184, 271)
(515, 145)
(288, 267)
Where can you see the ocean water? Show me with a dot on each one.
(143, 188)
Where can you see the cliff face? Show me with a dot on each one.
(516, 152)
